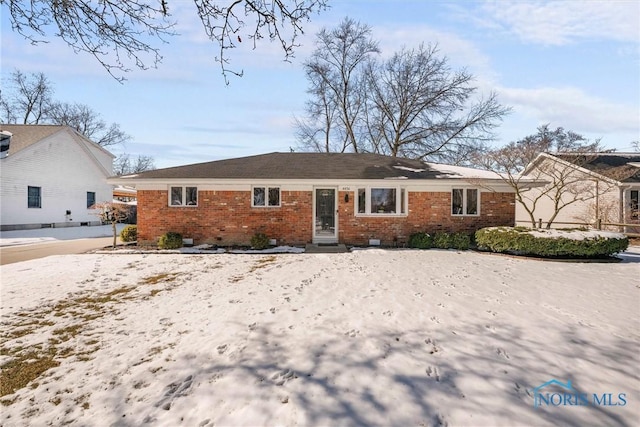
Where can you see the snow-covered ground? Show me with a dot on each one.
(46, 235)
(372, 337)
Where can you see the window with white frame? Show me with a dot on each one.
(265, 197)
(465, 201)
(183, 196)
(634, 204)
(381, 200)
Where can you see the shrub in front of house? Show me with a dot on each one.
(460, 241)
(551, 243)
(259, 241)
(440, 240)
(170, 240)
(129, 233)
(420, 240)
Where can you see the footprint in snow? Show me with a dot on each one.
(174, 390)
(433, 372)
(441, 421)
(222, 348)
(352, 333)
(280, 378)
(502, 352)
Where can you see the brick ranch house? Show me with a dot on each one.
(299, 198)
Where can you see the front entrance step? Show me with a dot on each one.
(314, 248)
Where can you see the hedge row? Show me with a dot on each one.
(421, 240)
(556, 243)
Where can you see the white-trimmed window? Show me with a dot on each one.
(381, 201)
(183, 196)
(465, 201)
(265, 197)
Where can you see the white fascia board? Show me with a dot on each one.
(435, 185)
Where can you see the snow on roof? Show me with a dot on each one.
(463, 172)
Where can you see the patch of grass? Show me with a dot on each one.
(162, 277)
(23, 369)
(71, 331)
(262, 263)
(8, 402)
(26, 364)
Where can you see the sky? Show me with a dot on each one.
(571, 64)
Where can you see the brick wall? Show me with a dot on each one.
(227, 218)
(430, 212)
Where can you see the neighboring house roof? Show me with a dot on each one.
(621, 167)
(314, 166)
(24, 136)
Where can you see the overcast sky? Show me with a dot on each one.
(574, 64)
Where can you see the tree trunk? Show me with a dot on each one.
(115, 233)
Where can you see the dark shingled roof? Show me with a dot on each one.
(612, 165)
(302, 166)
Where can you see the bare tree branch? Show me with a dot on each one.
(566, 183)
(120, 34)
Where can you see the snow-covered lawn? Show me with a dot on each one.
(372, 337)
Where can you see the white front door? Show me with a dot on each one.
(325, 221)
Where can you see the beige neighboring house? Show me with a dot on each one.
(598, 186)
(50, 177)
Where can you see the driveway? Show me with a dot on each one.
(23, 245)
(11, 254)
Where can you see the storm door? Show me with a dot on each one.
(325, 228)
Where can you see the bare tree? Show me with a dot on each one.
(124, 165)
(424, 109)
(518, 162)
(86, 121)
(28, 98)
(121, 33)
(112, 213)
(335, 74)
(411, 105)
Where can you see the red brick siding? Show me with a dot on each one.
(227, 218)
(430, 212)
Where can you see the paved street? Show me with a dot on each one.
(18, 253)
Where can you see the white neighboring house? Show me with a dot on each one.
(50, 177)
(600, 186)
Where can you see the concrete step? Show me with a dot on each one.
(314, 248)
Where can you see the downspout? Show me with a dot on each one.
(621, 209)
(597, 201)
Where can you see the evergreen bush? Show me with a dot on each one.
(170, 240)
(259, 241)
(420, 240)
(573, 243)
(129, 233)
